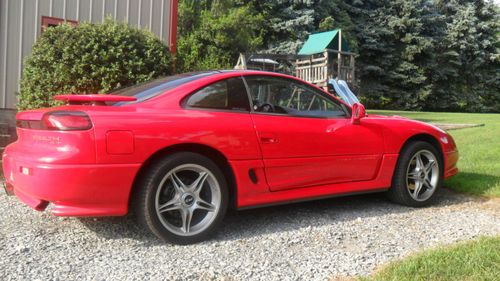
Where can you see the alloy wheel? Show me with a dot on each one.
(422, 175)
(188, 199)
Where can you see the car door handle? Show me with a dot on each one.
(268, 138)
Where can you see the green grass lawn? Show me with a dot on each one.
(479, 149)
(473, 260)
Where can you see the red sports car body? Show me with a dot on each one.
(275, 138)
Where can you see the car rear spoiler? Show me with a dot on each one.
(92, 99)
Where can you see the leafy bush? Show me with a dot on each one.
(213, 39)
(90, 58)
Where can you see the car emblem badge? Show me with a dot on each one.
(188, 200)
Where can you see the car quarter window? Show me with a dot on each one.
(285, 96)
(228, 94)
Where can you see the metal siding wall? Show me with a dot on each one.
(71, 9)
(16, 43)
(109, 8)
(3, 52)
(96, 10)
(83, 10)
(133, 16)
(156, 16)
(58, 9)
(121, 14)
(43, 10)
(166, 21)
(28, 33)
(13, 50)
(144, 13)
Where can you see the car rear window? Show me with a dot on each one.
(155, 87)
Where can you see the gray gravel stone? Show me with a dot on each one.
(307, 241)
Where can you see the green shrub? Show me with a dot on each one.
(90, 58)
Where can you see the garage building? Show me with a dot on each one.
(22, 22)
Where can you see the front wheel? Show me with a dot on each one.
(183, 198)
(417, 176)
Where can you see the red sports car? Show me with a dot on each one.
(178, 151)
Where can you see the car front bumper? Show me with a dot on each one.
(451, 164)
(70, 189)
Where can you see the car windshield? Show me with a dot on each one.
(153, 88)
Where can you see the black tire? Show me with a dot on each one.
(154, 184)
(400, 191)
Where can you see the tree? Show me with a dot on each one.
(288, 23)
(418, 55)
(326, 24)
(394, 50)
(469, 57)
(217, 34)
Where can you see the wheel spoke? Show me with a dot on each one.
(429, 166)
(171, 205)
(204, 205)
(179, 186)
(428, 184)
(420, 164)
(186, 215)
(418, 187)
(197, 185)
(413, 175)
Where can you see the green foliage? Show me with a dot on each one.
(467, 67)
(394, 47)
(90, 58)
(420, 55)
(287, 24)
(215, 33)
(326, 24)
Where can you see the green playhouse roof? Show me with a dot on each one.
(318, 42)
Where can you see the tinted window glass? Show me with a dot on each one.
(228, 94)
(158, 86)
(285, 96)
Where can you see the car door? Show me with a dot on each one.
(306, 136)
(221, 112)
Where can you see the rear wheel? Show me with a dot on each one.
(183, 198)
(417, 176)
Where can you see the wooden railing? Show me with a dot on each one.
(318, 69)
(313, 70)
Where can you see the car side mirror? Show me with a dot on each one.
(358, 112)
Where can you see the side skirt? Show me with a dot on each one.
(379, 190)
(251, 194)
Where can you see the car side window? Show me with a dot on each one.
(285, 96)
(228, 94)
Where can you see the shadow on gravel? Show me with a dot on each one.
(256, 222)
(119, 228)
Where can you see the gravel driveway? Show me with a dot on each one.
(307, 241)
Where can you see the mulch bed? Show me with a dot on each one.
(448, 127)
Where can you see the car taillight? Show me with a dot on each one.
(65, 121)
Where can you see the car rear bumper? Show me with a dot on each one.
(70, 189)
(8, 188)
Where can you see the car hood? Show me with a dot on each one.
(403, 119)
